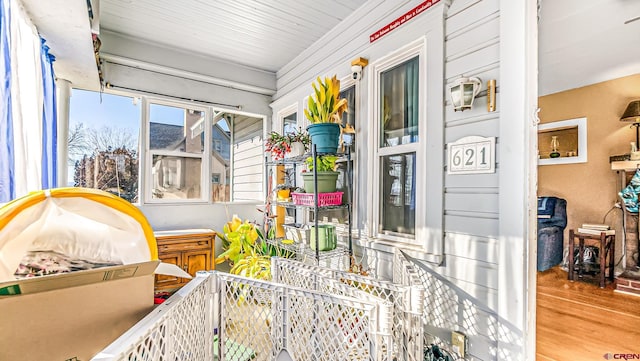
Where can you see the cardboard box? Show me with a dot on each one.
(72, 316)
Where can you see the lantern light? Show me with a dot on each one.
(463, 92)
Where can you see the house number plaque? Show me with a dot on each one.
(470, 155)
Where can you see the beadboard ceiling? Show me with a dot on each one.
(580, 42)
(264, 34)
(587, 42)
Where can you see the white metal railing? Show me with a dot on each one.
(178, 329)
(449, 308)
(225, 317)
(406, 302)
(316, 313)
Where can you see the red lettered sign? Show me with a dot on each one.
(402, 19)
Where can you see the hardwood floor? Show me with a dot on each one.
(578, 321)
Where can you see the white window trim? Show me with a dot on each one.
(146, 160)
(278, 124)
(428, 238)
(415, 49)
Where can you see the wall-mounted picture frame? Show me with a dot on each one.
(562, 142)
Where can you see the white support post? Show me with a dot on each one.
(517, 176)
(63, 95)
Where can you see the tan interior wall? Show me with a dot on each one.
(590, 188)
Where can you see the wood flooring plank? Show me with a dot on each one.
(580, 321)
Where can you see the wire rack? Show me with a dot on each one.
(337, 258)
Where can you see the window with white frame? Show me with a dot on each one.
(399, 145)
(181, 159)
(176, 144)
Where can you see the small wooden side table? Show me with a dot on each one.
(606, 244)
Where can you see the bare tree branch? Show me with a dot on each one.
(90, 140)
(107, 138)
(77, 143)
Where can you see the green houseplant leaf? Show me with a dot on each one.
(325, 163)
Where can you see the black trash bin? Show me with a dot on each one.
(552, 220)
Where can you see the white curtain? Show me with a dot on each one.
(27, 101)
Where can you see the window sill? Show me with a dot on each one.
(412, 250)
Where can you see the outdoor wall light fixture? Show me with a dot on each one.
(463, 92)
(632, 114)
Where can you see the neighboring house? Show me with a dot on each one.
(221, 141)
(168, 171)
(166, 136)
(220, 161)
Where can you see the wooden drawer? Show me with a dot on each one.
(184, 244)
(167, 281)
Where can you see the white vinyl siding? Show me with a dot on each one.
(247, 159)
(471, 201)
(465, 237)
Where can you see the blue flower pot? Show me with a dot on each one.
(325, 136)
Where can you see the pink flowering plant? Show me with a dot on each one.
(280, 144)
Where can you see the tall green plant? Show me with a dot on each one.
(325, 105)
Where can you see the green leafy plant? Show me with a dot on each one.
(246, 250)
(253, 265)
(325, 105)
(325, 163)
(239, 240)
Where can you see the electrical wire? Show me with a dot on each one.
(624, 233)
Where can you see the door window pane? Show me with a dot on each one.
(176, 129)
(349, 117)
(290, 123)
(175, 177)
(399, 98)
(398, 194)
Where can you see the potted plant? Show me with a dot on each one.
(325, 172)
(324, 110)
(283, 191)
(246, 250)
(239, 239)
(287, 145)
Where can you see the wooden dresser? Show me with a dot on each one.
(190, 249)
